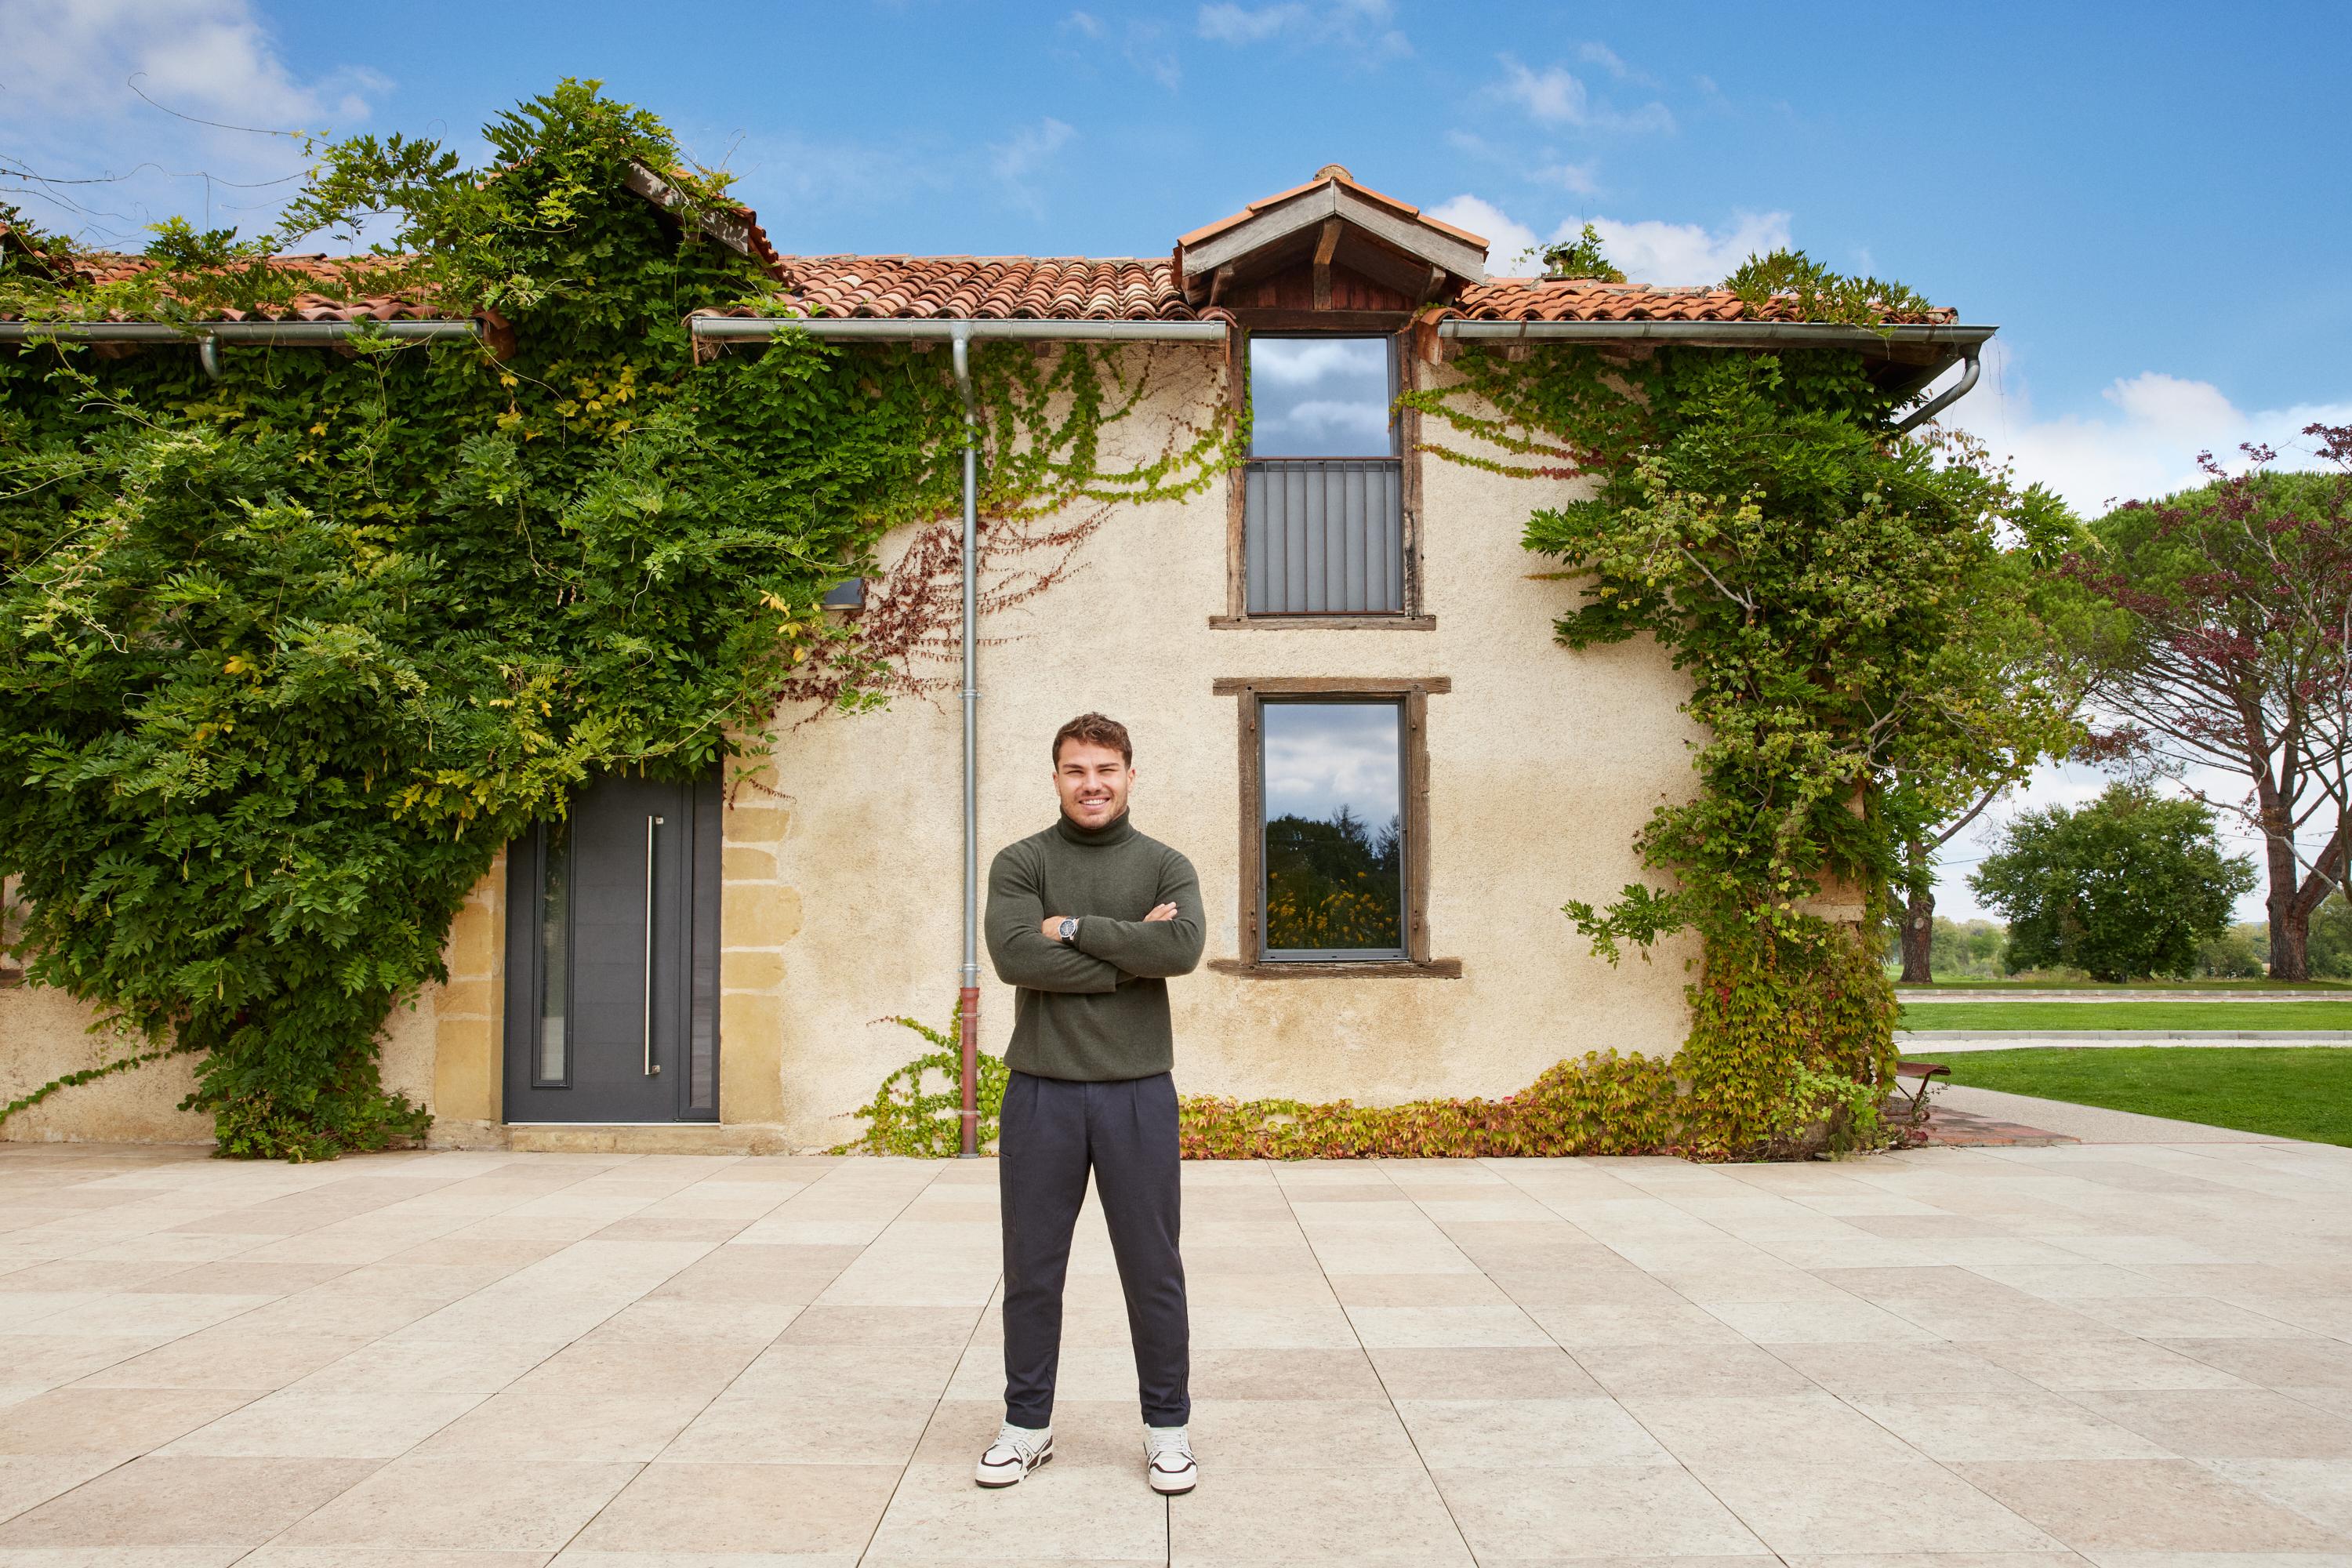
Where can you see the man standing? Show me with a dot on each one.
(1089, 920)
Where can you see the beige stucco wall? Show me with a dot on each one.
(439, 1047)
(45, 1035)
(1543, 764)
(843, 892)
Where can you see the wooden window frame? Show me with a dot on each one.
(1412, 617)
(1413, 694)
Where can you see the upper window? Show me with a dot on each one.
(1333, 805)
(1323, 509)
(1321, 397)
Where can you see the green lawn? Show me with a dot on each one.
(2196, 1014)
(2029, 986)
(2291, 1091)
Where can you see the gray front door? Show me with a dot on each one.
(613, 958)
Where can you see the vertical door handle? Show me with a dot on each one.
(652, 1067)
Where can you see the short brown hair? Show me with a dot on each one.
(1094, 730)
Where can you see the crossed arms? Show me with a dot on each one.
(1105, 951)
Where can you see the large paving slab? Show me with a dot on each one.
(2125, 1354)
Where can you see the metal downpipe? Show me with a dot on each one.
(968, 998)
(1970, 368)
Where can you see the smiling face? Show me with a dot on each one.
(1093, 780)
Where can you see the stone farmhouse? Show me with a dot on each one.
(1337, 666)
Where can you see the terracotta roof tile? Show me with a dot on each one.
(990, 287)
(333, 301)
(1582, 299)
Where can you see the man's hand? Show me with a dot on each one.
(1163, 912)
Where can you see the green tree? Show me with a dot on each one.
(1972, 950)
(2127, 887)
(2236, 955)
(2221, 634)
(2331, 939)
(2028, 686)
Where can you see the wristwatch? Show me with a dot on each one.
(1068, 930)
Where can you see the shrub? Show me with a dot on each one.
(2127, 886)
(904, 1118)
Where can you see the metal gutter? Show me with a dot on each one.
(760, 328)
(1718, 334)
(1963, 343)
(968, 997)
(286, 332)
(208, 336)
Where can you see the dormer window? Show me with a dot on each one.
(1322, 284)
(1323, 510)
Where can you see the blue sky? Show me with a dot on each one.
(2150, 201)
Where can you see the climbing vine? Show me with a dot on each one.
(285, 657)
(1820, 577)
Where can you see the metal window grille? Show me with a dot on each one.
(1325, 535)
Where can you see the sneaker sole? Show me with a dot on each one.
(1042, 1460)
(1174, 1492)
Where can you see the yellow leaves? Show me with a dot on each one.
(238, 665)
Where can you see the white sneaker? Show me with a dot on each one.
(1016, 1451)
(1168, 1460)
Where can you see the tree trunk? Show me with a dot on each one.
(2289, 921)
(1918, 913)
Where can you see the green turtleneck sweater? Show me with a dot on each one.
(1094, 1009)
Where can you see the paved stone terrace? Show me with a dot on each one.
(2134, 1356)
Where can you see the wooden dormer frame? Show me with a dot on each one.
(1331, 222)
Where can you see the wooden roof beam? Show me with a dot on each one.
(1327, 243)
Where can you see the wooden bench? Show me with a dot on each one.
(1913, 1080)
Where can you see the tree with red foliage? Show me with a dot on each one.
(2220, 632)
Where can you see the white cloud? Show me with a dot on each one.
(1577, 179)
(1021, 156)
(1143, 44)
(1362, 27)
(1240, 25)
(1557, 96)
(1604, 57)
(1646, 251)
(789, 175)
(1649, 251)
(2143, 445)
(1510, 244)
(72, 76)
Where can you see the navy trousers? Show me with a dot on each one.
(1051, 1132)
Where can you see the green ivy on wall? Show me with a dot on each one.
(1820, 579)
(285, 659)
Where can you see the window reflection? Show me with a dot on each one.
(1334, 827)
(554, 953)
(1320, 398)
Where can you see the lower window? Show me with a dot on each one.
(1333, 824)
